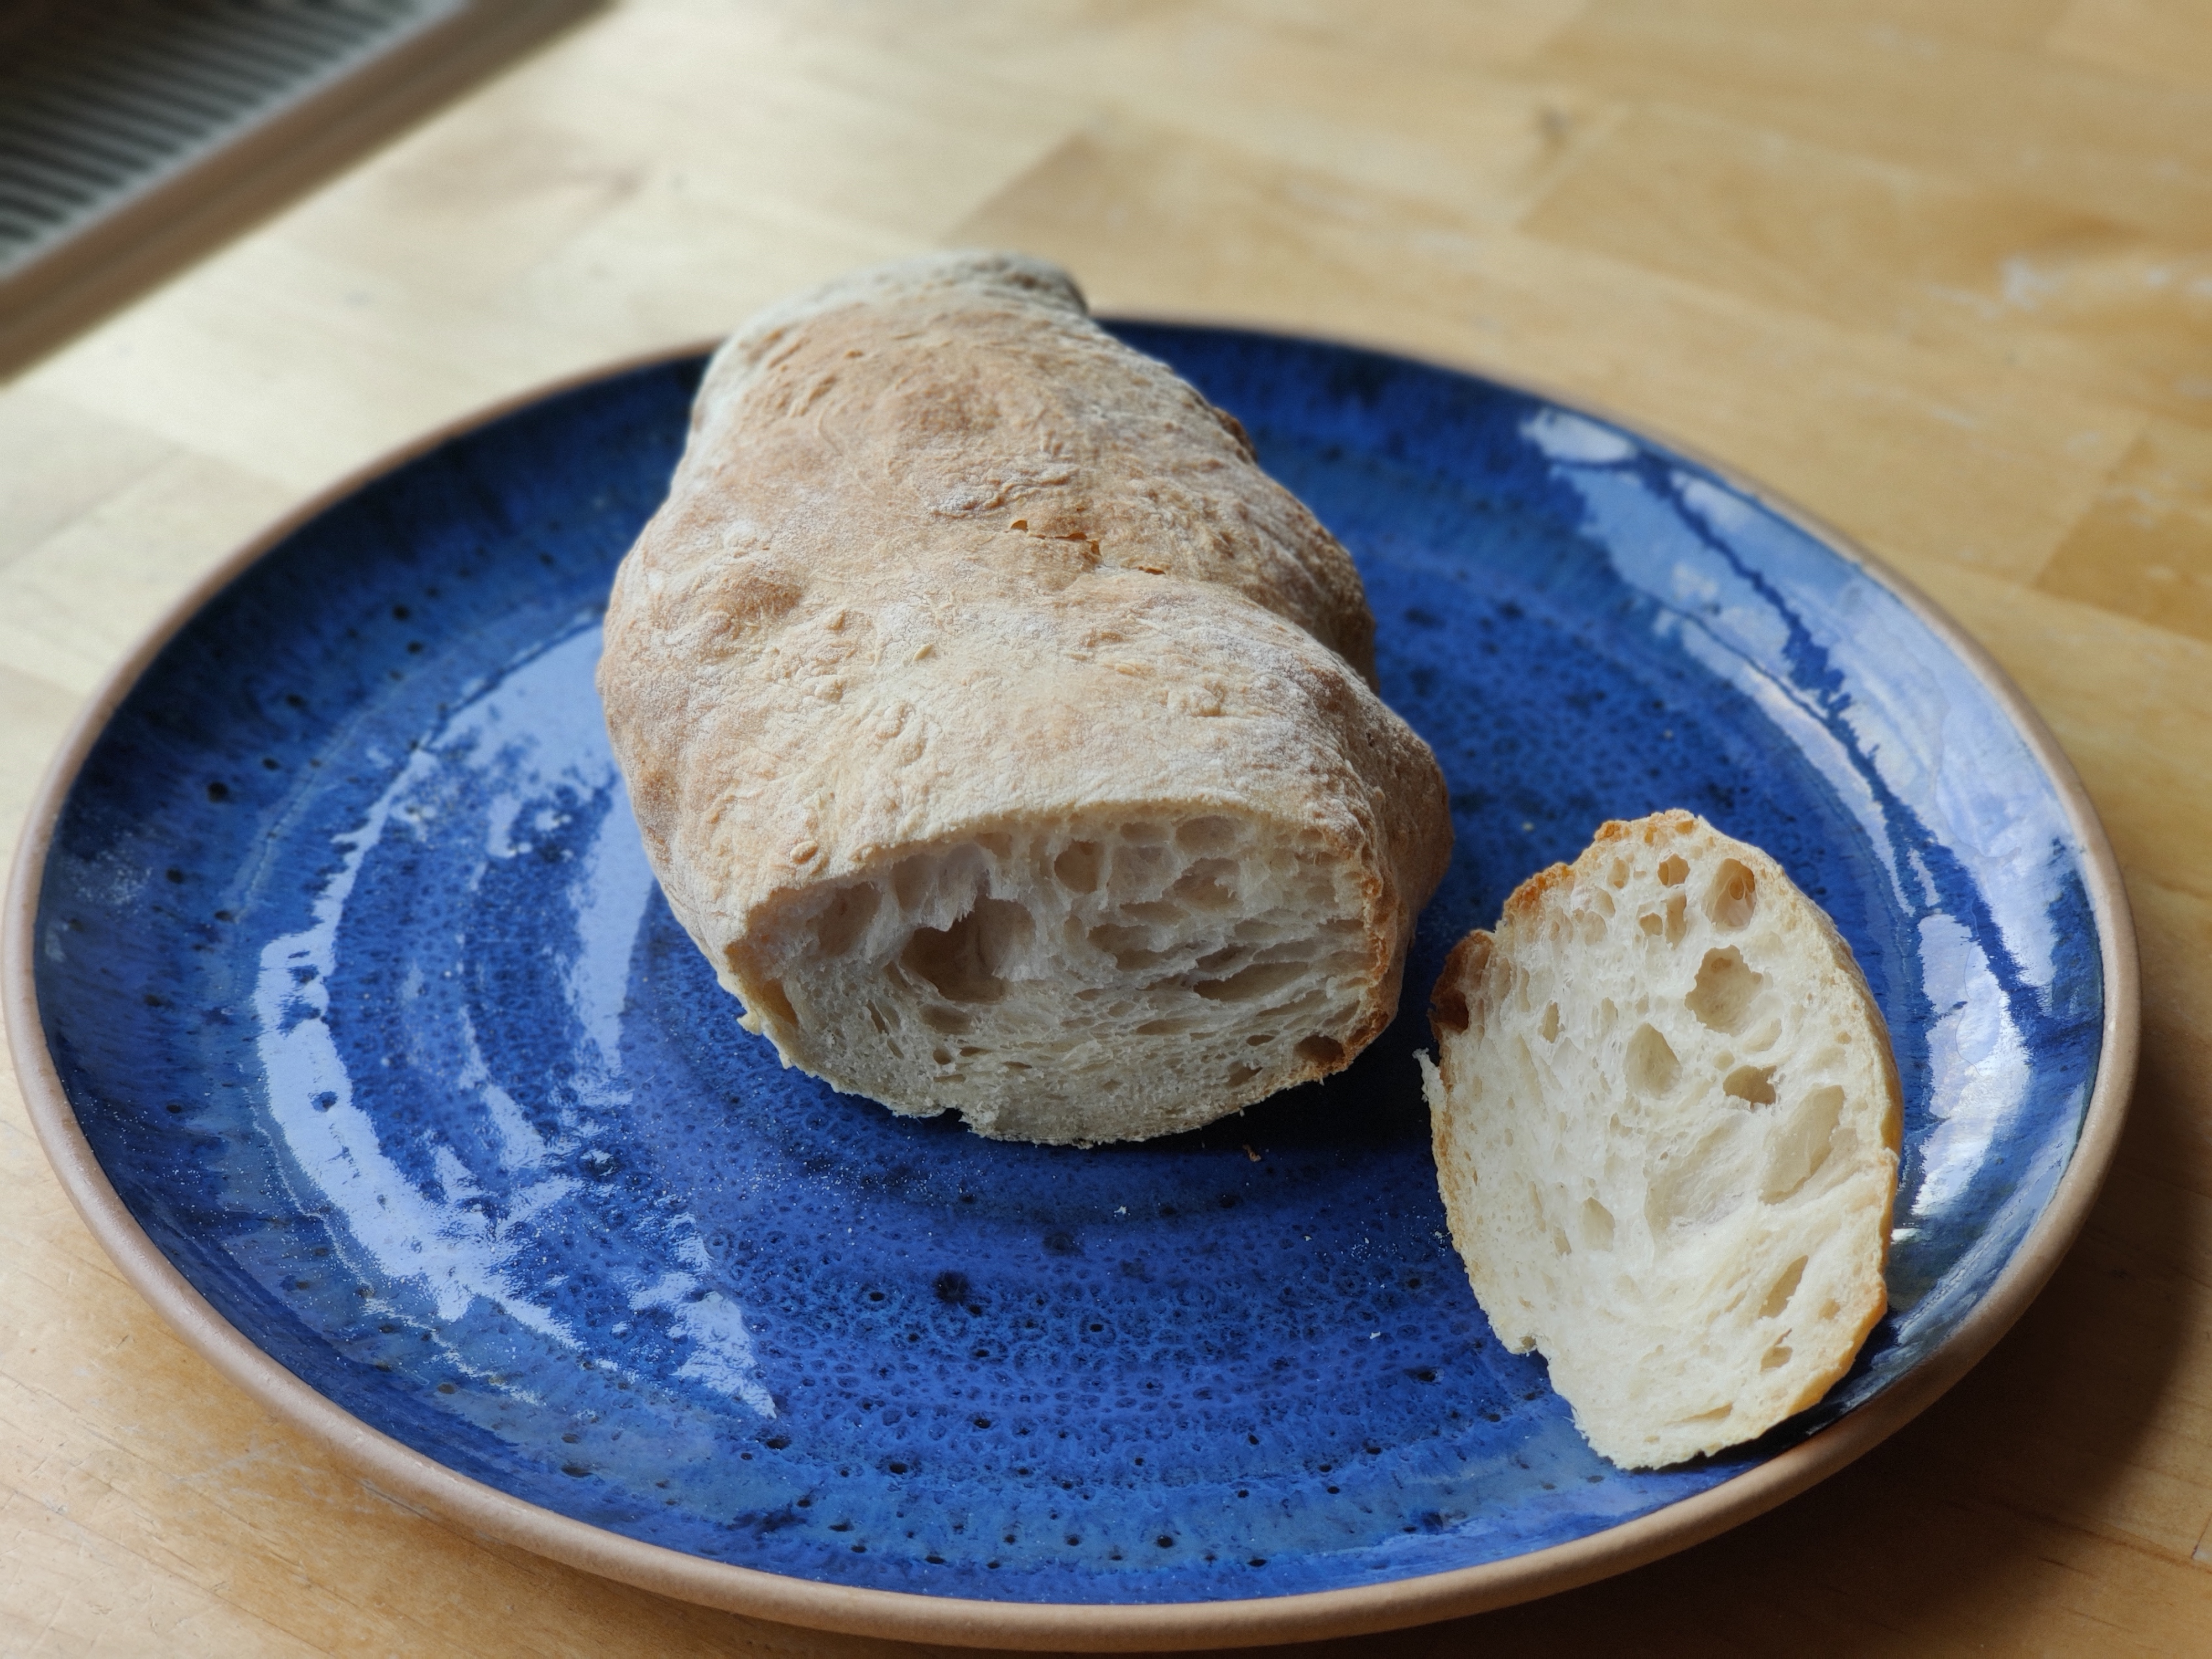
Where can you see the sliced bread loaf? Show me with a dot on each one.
(1002, 732)
(1667, 1123)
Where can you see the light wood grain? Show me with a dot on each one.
(1939, 270)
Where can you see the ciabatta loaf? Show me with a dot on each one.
(1000, 731)
(1667, 1123)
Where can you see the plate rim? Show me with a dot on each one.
(419, 1479)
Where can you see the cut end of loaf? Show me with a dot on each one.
(937, 546)
(1111, 978)
(1666, 1121)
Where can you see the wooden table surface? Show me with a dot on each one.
(1941, 271)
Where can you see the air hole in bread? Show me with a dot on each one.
(1713, 1416)
(1549, 1030)
(1618, 876)
(1802, 1145)
(1677, 919)
(1126, 945)
(1753, 1084)
(1725, 988)
(1704, 1184)
(1208, 835)
(1077, 867)
(1776, 1357)
(1784, 1288)
(1651, 922)
(1447, 1009)
(964, 961)
(1240, 1075)
(1651, 1069)
(1732, 897)
(846, 918)
(1322, 1050)
(1137, 870)
(947, 1022)
(1258, 981)
(1209, 884)
(910, 882)
(1674, 869)
(1596, 1225)
(775, 1000)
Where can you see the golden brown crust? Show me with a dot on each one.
(1526, 902)
(1461, 975)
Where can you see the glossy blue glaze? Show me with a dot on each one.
(352, 966)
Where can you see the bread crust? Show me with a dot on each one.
(1489, 1101)
(943, 560)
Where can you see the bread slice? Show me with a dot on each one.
(1000, 731)
(1667, 1123)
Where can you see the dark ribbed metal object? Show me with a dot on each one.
(102, 100)
(137, 134)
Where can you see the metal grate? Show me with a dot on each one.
(101, 101)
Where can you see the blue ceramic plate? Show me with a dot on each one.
(371, 1034)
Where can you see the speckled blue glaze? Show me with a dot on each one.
(357, 977)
